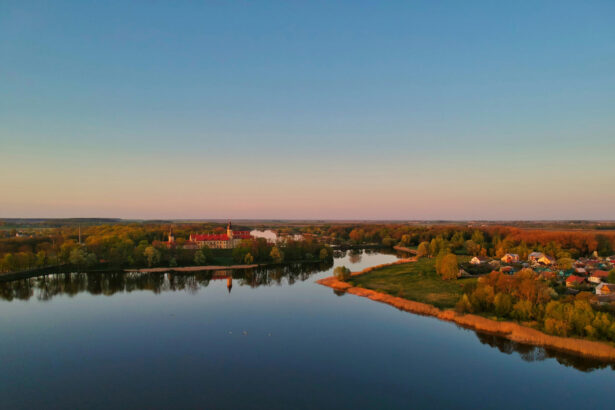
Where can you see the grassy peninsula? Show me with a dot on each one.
(415, 281)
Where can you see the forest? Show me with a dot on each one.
(131, 244)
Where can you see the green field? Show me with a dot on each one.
(415, 281)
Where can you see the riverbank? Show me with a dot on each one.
(405, 249)
(190, 268)
(509, 330)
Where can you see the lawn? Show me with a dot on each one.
(415, 281)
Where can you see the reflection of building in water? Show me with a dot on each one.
(224, 274)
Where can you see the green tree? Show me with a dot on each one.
(565, 263)
(423, 249)
(276, 255)
(388, 241)
(41, 258)
(522, 310)
(472, 248)
(449, 268)
(248, 259)
(91, 259)
(324, 254)
(502, 303)
(77, 257)
(341, 273)
(200, 258)
(152, 255)
(478, 237)
(611, 277)
(464, 305)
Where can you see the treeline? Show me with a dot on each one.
(138, 245)
(261, 251)
(526, 298)
(490, 240)
(124, 244)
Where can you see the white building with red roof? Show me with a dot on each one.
(227, 240)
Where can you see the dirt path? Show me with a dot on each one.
(404, 249)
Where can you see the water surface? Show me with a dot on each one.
(274, 339)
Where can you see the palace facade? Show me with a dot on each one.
(227, 240)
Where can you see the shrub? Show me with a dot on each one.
(248, 259)
(341, 273)
(464, 305)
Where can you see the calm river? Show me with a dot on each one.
(272, 339)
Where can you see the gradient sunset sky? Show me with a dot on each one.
(307, 109)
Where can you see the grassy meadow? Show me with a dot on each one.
(415, 281)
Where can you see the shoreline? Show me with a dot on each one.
(190, 268)
(506, 329)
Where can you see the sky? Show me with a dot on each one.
(308, 109)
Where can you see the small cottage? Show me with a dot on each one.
(574, 280)
(510, 258)
(605, 289)
(598, 276)
(477, 260)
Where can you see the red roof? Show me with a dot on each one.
(600, 273)
(220, 237)
(575, 279)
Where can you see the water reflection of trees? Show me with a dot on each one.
(108, 283)
(531, 353)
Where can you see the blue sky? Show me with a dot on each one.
(395, 110)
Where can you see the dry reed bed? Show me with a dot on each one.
(509, 330)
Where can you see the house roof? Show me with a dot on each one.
(600, 273)
(609, 286)
(575, 279)
(220, 237)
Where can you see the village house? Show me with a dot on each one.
(534, 256)
(547, 260)
(510, 258)
(598, 276)
(573, 280)
(580, 271)
(507, 269)
(477, 260)
(605, 289)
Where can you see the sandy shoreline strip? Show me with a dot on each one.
(191, 268)
(509, 330)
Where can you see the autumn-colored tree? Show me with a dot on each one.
(323, 254)
(341, 273)
(276, 255)
(422, 250)
(565, 263)
(472, 248)
(248, 259)
(152, 255)
(447, 266)
(502, 303)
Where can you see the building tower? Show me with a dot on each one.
(229, 231)
(171, 237)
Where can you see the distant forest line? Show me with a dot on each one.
(132, 244)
